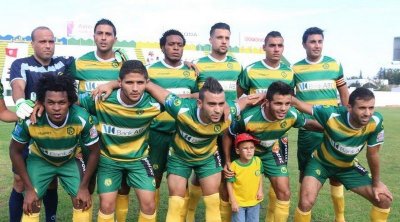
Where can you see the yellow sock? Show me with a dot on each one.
(105, 217)
(34, 217)
(301, 216)
(271, 205)
(338, 202)
(175, 204)
(147, 218)
(195, 194)
(185, 206)
(281, 212)
(212, 202)
(79, 215)
(226, 211)
(157, 198)
(378, 214)
(121, 207)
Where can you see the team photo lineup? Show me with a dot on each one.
(101, 124)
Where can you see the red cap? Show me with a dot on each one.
(245, 137)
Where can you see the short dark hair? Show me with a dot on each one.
(105, 22)
(38, 28)
(312, 31)
(219, 25)
(211, 85)
(272, 34)
(279, 88)
(56, 83)
(163, 39)
(133, 66)
(360, 93)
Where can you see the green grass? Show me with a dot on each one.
(357, 209)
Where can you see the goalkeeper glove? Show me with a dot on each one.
(24, 108)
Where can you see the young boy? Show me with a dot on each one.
(245, 188)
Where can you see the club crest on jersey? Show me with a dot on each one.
(108, 182)
(91, 121)
(186, 73)
(139, 111)
(283, 74)
(217, 128)
(325, 66)
(318, 172)
(60, 73)
(283, 124)
(114, 64)
(229, 65)
(177, 102)
(233, 110)
(258, 173)
(70, 130)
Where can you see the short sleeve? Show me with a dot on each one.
(378, 135)
(87, 102)
(89, 134)
(21, 132)
(173, 104)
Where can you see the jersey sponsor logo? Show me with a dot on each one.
(93, 132)
(267, 143)
(108, 182)
(217, 128)
(348, 150)
(70, 130)
(262, 90)
(58, 153)
(123, 132)
(91, 85)
(316, 85)
(81, 163)
(191, 139)
(228, 85)
(279, 160)
(360, 169)
(380, 137)
(179, 90)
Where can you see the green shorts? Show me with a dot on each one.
(139, 174)
(159, 143)
(274, 164)
(183, 168)
(41, 173)
(352, 177)
(307, 142)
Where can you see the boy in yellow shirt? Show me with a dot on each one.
(245, 188)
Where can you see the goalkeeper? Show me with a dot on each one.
(24, 74)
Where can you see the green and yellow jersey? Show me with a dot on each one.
(92, 71)
(57, 144)
(178, 80)
(317, 83)
(226, 72)
(342, 142)
(255, 122)
(194, 140)
(123, 128)
(257, 77)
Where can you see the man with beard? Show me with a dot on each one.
(226, 70)
(24, 75)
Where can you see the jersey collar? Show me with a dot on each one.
(124, 104)
(54, 125)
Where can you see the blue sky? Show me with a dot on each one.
(359, 33)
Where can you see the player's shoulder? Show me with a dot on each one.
(64, 59)
(377, 118)
(26, 60)
(78, 111)
(87, 56)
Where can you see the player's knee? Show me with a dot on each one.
(107, 207)
(384, 202)
(283, 194)
(148, 206)
(306, 203)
